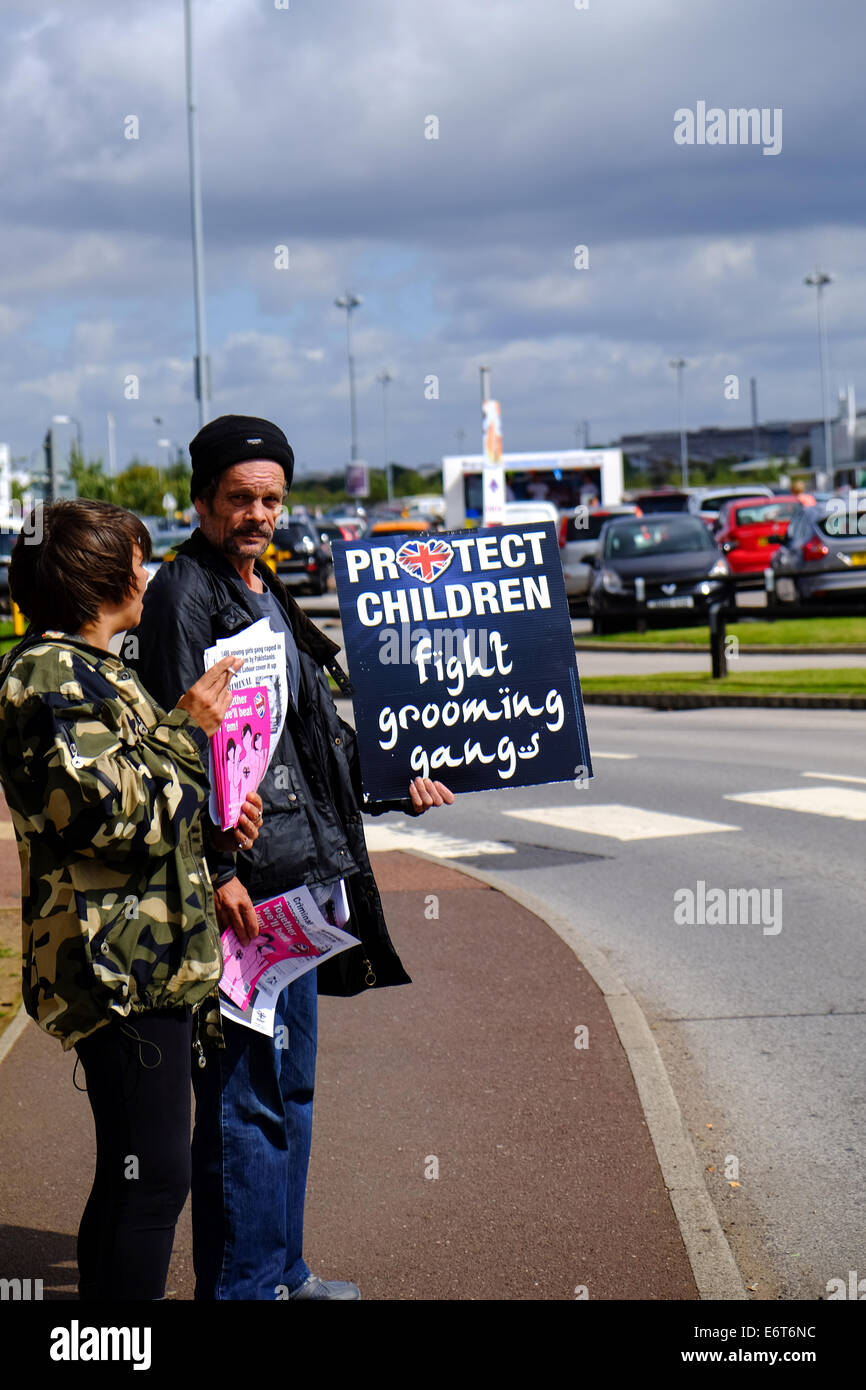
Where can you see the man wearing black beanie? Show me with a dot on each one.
(231, 439)
(254, 1094)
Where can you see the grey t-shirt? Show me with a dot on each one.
(267, 607)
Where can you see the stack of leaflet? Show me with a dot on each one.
(294, 937)
(244, 744)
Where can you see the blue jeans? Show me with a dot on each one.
(250, 1152)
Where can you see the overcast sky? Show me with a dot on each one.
(555, 129)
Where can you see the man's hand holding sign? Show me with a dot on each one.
(425, 794)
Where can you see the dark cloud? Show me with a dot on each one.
(555, 128)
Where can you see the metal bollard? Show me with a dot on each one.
(717, 641)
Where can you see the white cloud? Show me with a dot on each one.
(555, 129)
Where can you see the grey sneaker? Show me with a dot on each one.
(314, 1287)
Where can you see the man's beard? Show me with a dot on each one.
(232, 544)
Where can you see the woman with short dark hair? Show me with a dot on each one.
(120, 942)
(77, 557)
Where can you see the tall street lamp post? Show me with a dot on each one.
(349, 302)
(79, 438)
(819, 280)
(202, 363)
(385, 377)
(678, 363)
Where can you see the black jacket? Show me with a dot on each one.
(312, 831)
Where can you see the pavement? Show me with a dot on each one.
(503, 1128)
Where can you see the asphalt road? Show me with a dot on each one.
(761, 1024)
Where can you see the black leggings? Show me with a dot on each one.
(138, 1083)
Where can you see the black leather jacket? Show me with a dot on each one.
(312, 831)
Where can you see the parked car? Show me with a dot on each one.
(299, 556)
(400, 525)
(518, 513)
(579, 531)
(336, 531)
(662, 499)
(166, 540)
(430, 504)
(654, 567)
(707, 502)
(748, 532)
(822, 557)
(356, 519)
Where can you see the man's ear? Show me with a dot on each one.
(200, 506)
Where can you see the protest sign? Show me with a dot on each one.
(462, 661)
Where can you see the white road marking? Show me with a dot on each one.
(833, 777)
(382, 837)
(619, 822)
(595, 754)
(839, 802)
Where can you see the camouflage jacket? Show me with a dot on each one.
(105, 792)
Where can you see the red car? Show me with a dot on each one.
(750, 529)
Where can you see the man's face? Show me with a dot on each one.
(241, 519)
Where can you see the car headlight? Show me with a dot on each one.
(721, 569)
(611, 581)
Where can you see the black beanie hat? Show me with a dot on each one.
(232, 439)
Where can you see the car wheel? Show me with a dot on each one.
(599, 626)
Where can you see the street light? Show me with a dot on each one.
(202, 362)
(819, 280)
(678, 363)
(349, 302)
(385, 377)
(71, 420)
(161, 444)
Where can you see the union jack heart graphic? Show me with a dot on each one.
(425, 559)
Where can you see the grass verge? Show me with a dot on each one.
(844, 681)
(787, 632)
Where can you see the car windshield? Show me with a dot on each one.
(678, 502)
(765, 513)
(583, 527)
(711, 506)
(287, 536)
(672, 536)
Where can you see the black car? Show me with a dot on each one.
(300, 557)
(654, 567)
